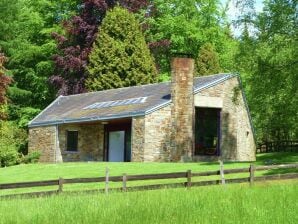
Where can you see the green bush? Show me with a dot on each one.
(32, 157)
(8, 156)
(12, 140)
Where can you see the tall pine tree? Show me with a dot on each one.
(120, 56)
(207, 62)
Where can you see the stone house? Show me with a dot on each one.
(187, 119)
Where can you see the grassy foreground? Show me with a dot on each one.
(263, 203)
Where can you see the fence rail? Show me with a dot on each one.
(278, 146)
(128, 178)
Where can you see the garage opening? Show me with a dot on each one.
(207, 131)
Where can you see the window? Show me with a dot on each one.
(72, 140)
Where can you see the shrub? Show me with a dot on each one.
(11, 141)
(32, 157)
(8, 156)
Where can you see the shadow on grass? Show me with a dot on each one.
(276, 158)
(281, 171)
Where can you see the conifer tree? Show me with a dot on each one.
(207, 62)
(119, 56)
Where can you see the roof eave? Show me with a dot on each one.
(79, 120)
(51, 104)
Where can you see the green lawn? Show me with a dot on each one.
(266, 202)
(270, 202)
(33, 172)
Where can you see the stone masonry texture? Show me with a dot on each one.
(152, 139)
(182, 109)
(43, 139)
(90, 142)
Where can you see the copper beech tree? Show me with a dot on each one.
(75, 45)
(4, 82)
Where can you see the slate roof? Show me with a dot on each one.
(70, 109)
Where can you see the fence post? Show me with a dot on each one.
(188, 175)
(251, 174)
(60, 182)
(107, 181)
(124, 178)
(221, 170)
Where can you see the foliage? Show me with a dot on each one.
(32, 157)
(28, 44)
(120, 56)
(8, 156)
(176, 26)
(12, 142)
(207, 62)
(75, 45)
(4, 82)
(273, 92)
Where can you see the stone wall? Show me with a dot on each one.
(158, 130)
(137, 139)
(90, 142)
(237, 142)
(43, 139)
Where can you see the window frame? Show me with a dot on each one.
(67, 147)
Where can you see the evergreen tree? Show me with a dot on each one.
(120, 56)
(207, 62)
(75, 44)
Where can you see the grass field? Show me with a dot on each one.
(266, 202)
(270, 202)
(34, 172)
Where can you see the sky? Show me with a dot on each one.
(233, 12)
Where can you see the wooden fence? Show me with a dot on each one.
(128, 178)
(278, 146)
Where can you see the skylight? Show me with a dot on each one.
(115, 103)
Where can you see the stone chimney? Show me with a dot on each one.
(182, 108)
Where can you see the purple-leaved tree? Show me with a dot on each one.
(75, 46)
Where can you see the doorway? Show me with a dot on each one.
(207, 131)
(118, 142)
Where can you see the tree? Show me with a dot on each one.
(28, 44)
(183, 26)
(273, 96)
(120, 56)
(4, 82)
(75, 45)
(207, 62)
